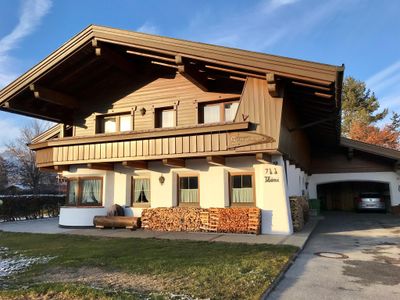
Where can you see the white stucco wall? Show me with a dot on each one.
(296, 180)
(271, 197)
(391, 178)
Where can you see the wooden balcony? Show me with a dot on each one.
(214, 140)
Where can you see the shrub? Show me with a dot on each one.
(19, 207)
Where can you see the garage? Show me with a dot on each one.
(343, 196)
(341, 174)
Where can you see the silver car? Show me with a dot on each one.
(371, 201)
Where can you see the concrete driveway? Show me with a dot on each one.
(371, 270)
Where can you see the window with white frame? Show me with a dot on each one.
(165, 117)
(115, 123)
(217, 112)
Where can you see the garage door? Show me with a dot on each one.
(342, 195)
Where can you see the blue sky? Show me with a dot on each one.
(362, 34)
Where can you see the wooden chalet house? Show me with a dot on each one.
(146, 121)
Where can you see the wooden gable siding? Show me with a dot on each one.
(262, 110)
(157, 93)
(294, 144)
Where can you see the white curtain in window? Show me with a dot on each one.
(212, 114)
(110, 125)
(91, 191)
(189, 195)
(72, 192)
(230, 111)
(125, 123)
(142, 190)
(167, 118)
(242, 195)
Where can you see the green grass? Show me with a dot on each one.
(200, 269)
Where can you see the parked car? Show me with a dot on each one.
(370, 201)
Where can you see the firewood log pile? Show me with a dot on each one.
(173, 219)
(300, 212)
(233, 220)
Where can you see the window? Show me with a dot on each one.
(242, 189)
(115, 123)
(218, 112)
(165, 117)
(188, 190)
(85, 191)
(140, 191)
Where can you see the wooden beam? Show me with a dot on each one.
(174, 162)
(47, 169)
(53, 97)
(311, 86)
(140, 164)
(164, 64)
(215, 160)
(153, 56)
(61, 168)
(263, 158)
(192, 74)
(101, 166)
(234, 71)
(114, 58)
(271, 84)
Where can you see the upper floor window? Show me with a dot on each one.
(218, 112)
(115, 123)
(165, 117)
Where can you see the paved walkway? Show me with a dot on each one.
(50, 226)
(371, 271)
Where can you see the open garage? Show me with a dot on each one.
(343, 196)
(341, 174)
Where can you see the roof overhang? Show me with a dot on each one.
(371, 149)
(40, 93)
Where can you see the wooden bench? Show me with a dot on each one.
(132, 223)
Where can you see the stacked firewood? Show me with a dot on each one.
(300, 212)
(234, 220)
(173, 219)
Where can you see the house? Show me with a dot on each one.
(146, 121)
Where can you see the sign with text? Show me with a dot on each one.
(241, 139)
(271, 174)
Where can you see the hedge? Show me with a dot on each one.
(23, 207)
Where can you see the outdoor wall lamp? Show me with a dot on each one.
(161, 179)
(142, 111)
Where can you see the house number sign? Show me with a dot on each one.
(271, 175)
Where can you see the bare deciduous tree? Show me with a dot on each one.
(23, 160)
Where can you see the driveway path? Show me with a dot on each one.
(371, 271)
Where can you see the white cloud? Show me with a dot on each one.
(271, 5)
(32, 12)
(148, 28)
(385, 78)
(262, 26)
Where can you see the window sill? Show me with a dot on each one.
(243, 205)
(188, 205)
(140, 205)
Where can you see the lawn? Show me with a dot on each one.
(112, 268)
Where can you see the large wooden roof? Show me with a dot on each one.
(59, 84)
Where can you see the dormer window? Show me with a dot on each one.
(218, 112)
(115, 123)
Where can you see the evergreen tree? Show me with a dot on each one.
(359, 105)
